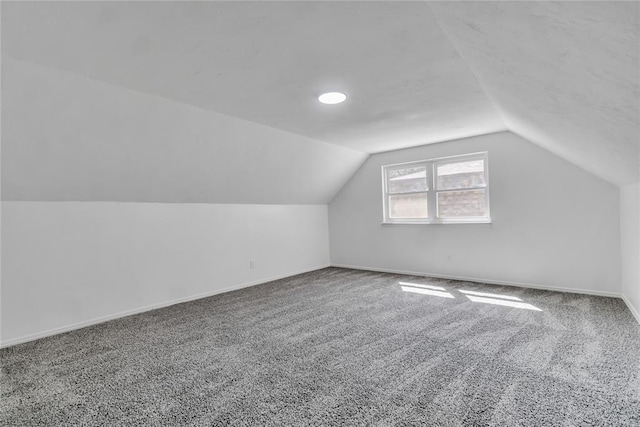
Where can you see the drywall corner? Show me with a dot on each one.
(630, 246)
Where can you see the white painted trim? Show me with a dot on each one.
(490, 281)
(432, 191)
(102, 319)
(631, 308)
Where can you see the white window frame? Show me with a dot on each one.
(432, 192)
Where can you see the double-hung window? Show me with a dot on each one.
(437, 191)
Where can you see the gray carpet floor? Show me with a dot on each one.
(340, 347)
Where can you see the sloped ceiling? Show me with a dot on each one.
(267, 62)
(563, 75)
(71, 138)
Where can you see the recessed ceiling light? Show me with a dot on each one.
(332, 98)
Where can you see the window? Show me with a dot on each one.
(437, 191)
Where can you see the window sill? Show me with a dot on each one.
(473, 221)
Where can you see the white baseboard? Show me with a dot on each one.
(631, 308)
(479, 280)
(102, 319)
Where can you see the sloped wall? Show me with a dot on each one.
(553, 224)
(67, 137)
(74, 149)
(563, 74)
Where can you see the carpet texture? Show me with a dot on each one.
(340, 347)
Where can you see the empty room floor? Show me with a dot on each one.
(340, 347)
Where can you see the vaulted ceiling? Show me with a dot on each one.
(564, 75)
(267, 61)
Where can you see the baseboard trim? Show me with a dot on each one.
(102, 319)
(631, 308)
(479, 280)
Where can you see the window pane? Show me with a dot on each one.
(453, 204)
(407, 180)
(451, 176)
(408, 206)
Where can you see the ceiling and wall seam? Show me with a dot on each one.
(562, 75)
(426, 72)
(72, 138)
(240, 59)
(491, 97)
(470, 67)
(165, 98)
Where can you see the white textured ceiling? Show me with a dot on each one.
(267, 61)
(564, 75)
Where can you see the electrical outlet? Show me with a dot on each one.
(252, 264)
(448, 257)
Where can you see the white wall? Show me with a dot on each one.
(73, 148)
(554, 224)
(630, 244)
(67, 137)
(69, 263)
